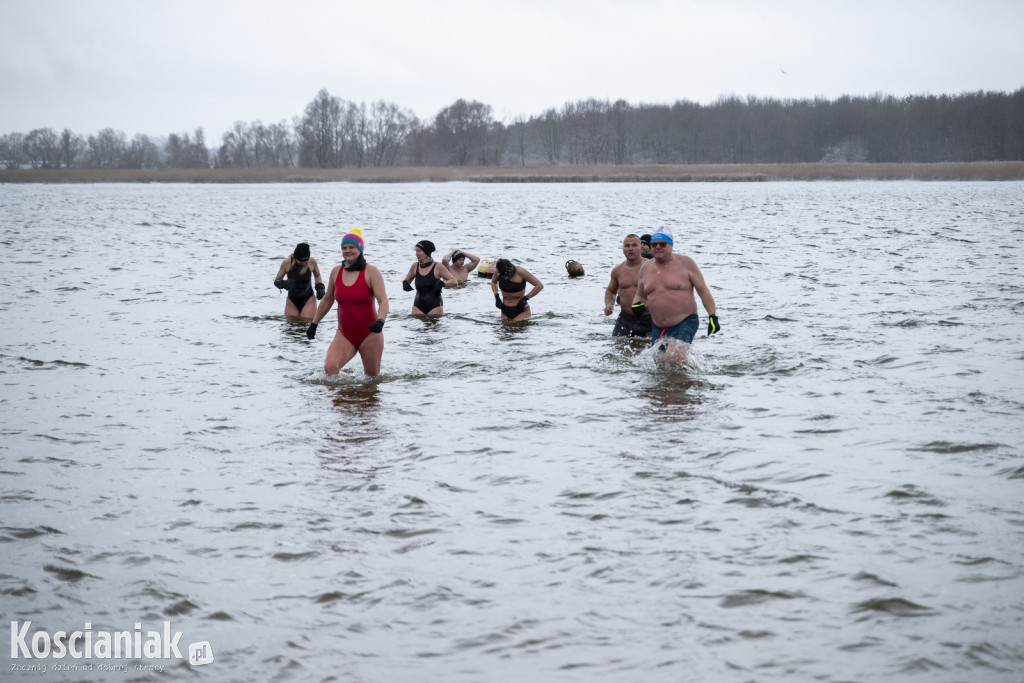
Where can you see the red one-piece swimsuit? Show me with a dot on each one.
(356, 308)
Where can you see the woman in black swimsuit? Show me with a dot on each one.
(430, 278)
(511, 280)
(296, 275)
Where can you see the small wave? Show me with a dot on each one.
(68, 574)
(921, 665)
(975, 561)
(50, 365)
(181, 607)
(880, 360)
(872, 578)
(24, 534)
(913, 494)
(334, 596)
(947, 447)
(220, 616)
(756, 597)
(255, 525)
(898, 607)
(1014, 473)
(294, 557)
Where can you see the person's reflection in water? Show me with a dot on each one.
(674, 396)
(508, 333)
(357, 430)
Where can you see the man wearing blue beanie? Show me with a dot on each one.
(665, 290)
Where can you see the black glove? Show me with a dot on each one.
(713, 325)
(639, 308)
(406, 286)
(281, 283)
(521, 304)
(377, 325)
(311, 331)
(497, 300)
(320, 289)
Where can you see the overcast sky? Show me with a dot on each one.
(166, 66)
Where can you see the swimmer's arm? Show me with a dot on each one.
(532, 279)
(474, 261)
(282, 270)
(697, 280)
(316, 270)
(324, 307)
(447, 258)
(494, 282)
(446, 277)
(610, 292)
(641, 288)
(376, 283)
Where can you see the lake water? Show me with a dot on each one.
(831, 491)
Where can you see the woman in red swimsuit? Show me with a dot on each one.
(354, 284)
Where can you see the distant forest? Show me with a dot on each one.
(335, 133)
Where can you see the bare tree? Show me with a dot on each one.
(620, 119)
(42, 148)
(71, 147)
(106, 149)
(282, 145)
(386, 131)
(518, 132)
(236, 147)
(12, 150)
(141, 153)
(184, 151)
(550, 129)
(460, 132)
(318, 131)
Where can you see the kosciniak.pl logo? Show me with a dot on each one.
(90, 644)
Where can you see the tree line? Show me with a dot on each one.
(335, 133)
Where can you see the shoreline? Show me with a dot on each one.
(966, 171)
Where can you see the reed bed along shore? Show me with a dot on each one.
(996, 170)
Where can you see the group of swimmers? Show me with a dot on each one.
(655, 293)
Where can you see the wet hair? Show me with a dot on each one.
(358, 264)
(292, 261)
(506, 269)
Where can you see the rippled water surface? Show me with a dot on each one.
(831, 491)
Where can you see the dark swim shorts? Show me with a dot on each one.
(628, 325)
(683, 331)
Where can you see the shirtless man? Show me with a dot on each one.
(665, 289)
(625, 278)
(455, 262)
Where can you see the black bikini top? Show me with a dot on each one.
(509, 286)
